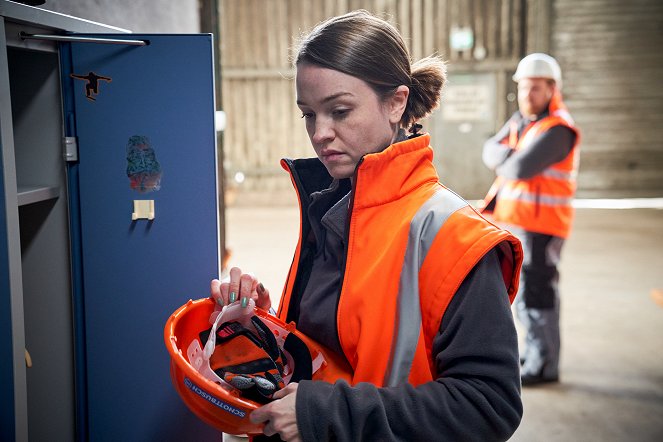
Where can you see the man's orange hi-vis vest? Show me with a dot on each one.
(542, 203)
(410, 243)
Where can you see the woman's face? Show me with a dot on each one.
(345, 118)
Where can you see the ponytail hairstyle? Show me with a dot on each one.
(369, 48)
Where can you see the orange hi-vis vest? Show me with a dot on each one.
(410, 243)
(542, 203)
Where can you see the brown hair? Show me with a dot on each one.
(367, 47)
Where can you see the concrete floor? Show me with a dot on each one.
(611, 385)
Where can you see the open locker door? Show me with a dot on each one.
(143, 118)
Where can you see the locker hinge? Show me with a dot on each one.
(70, 149)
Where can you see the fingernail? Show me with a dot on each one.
(261, 288)
(245, 302)
(233, 297)
(219, 301)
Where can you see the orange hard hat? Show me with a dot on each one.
(215, 401)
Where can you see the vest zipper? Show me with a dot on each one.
(303, 249)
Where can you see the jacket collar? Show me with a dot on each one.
(388, 175)
(379, 178)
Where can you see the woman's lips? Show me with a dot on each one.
(331, 155)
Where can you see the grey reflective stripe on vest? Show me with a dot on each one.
(559, 174)
(423, 228)
(542, 198)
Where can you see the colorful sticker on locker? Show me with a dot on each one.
(91, 83)
(143, 169)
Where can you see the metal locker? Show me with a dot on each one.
(137, 206)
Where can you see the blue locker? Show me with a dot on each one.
(144, 120)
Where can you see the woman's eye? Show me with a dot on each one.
(340, 112)
(307, 115)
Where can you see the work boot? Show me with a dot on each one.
(538, 368)
(539, 377)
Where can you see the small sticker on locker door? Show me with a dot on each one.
(143, 169)
(91, 83)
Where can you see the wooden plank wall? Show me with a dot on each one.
(263, 122)
(611, 55)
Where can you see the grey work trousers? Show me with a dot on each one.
(537, 302)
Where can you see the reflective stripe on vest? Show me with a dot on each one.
(522, 195)
(424, 227)
(560, 174)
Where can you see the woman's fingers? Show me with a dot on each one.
(225, 289)
(247, 283)
(233, 288)
(215, 292)
(263, 301)
(220, 291)
(279, 416)
(239, 286)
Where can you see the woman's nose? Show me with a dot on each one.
(323, 131)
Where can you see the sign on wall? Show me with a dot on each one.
(467, 102)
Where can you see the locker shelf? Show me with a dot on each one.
(34, 194)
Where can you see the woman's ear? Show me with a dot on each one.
(397, 104)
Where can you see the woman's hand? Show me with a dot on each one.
(242, 286)
(280, 416)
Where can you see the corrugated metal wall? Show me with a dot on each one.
(263, 122)
(609, 50)
(611, 53)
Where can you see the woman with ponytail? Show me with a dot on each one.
(396, 275)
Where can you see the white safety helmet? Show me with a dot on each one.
(539, 65)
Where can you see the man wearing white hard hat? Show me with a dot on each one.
(535, 158)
